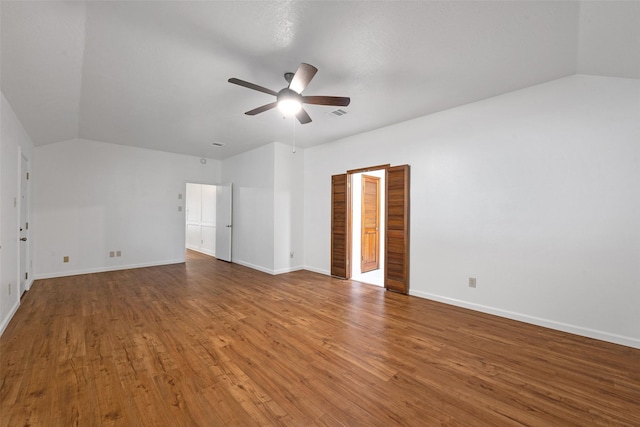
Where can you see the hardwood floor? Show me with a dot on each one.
(208, 343)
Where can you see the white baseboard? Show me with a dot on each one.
(41, 276)
(202, 251)
(7, 319)
(564, 327)
(267, 270)
(288, 270)
(252, 266)
(317, 270)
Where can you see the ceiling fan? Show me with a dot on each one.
(290, 99)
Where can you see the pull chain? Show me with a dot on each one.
(294, 134)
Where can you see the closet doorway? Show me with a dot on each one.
(396, 226)
(367, 231)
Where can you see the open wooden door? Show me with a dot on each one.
(396, 272)
(370, 224)
(340, 229)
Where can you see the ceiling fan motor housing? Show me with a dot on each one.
(287, 93)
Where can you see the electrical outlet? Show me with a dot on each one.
(472, 282)
(112, 254)
(179, 208)
(118, 253)
(180, 196)
(65, 259)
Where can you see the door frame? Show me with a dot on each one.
(182, 208)
(200, 223)
(400, 283)
(23, 208)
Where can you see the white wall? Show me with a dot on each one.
(14, 142)
(91, 198)
(609, 38)
(267, 207)
(536, 193)
(288, 232)
(252, 175)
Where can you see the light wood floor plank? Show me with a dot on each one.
(207, 343)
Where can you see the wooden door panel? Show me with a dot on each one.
(340, 239)
(397, 230)
(370, 223)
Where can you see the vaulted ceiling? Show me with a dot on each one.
(154, 74)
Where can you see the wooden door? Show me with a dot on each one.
(370, 224)
(396, 272)
(340, 227)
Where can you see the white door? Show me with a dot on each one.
(24, 224)
(223, 221)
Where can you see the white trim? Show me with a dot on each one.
(287, 270)
(564, 327)
(268, 270)
(10, 315)
(317, 270)
(105, 269)
(253, 266)
(202, 251)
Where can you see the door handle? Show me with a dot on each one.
(228, 226)
(23, 239)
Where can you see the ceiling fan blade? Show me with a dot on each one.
(340, 101)
(302, 77)
(303, 117)
(252, 86)
(262, 109)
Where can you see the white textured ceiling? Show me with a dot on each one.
(154, 74)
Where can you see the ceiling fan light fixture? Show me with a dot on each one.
(289, 102)
(289, 107)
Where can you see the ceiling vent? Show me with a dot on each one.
(339, 112)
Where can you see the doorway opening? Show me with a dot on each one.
(367, 231)
(200, 234)
(396, 226)
(208, 219)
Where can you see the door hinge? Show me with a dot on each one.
(26, 226)
(27, 176)
(26, 276)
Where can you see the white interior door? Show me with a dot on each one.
(24, 225)
(224, 224)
